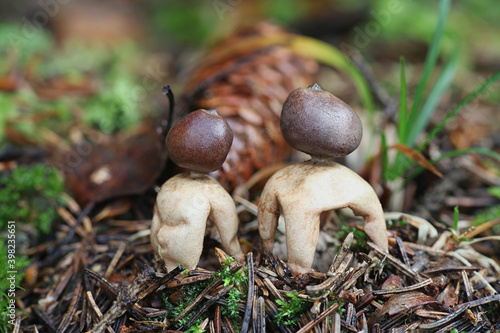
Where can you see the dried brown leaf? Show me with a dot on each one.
(417, 157)
(128, 165)
(404, 302)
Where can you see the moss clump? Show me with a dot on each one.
(289, 312)
(30, 195)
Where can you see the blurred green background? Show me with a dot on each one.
(106, 50)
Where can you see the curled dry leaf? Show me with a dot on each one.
(393, 282)
(417, 157)
(448, 296)
(404, 302)
(127, 165)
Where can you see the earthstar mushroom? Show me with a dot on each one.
(317, 123)
(199, 142)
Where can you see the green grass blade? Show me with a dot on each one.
(454, 153)
(403, 112)
(470, 97)
(430, 61)
(385, 157)
(456, 214)
(442, 83)
(331, 56)
(473, 150)
(495, 191)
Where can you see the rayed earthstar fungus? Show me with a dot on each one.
(317, 123)
(200, 142)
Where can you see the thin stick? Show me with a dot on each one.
(17, 326)
(344, 250)
(189, 280)
(250, 294)
(167, 91)
(318, 319)
(205, 306)
(116, 257)
(86, 211)
(92, 302)
(396, 262)
(72, 308)
(403, 290)
(126, 298)
(445, 320)
(403, 251)
(217, 320)
(451, 268)
(261, 313)
(164, 279)
(96, 309)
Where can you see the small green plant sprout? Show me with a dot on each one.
(289, 312)
(341, 310)
(199, 327)
(15, 49)
(238, 293)
(456, 214)
(30, 196)
(455, 229)
(113, 107)
(238, 279)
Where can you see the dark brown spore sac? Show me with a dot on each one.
(200, 141)
(320, 124)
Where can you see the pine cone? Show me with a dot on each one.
(248, 88)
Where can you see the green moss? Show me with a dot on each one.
(123, 81)
(240, 281)
(359, 237)
(289, 312)
(240, 278)
(116, 106)
(189, 294)
(20, 42)
(233, 298)
(30, 195)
